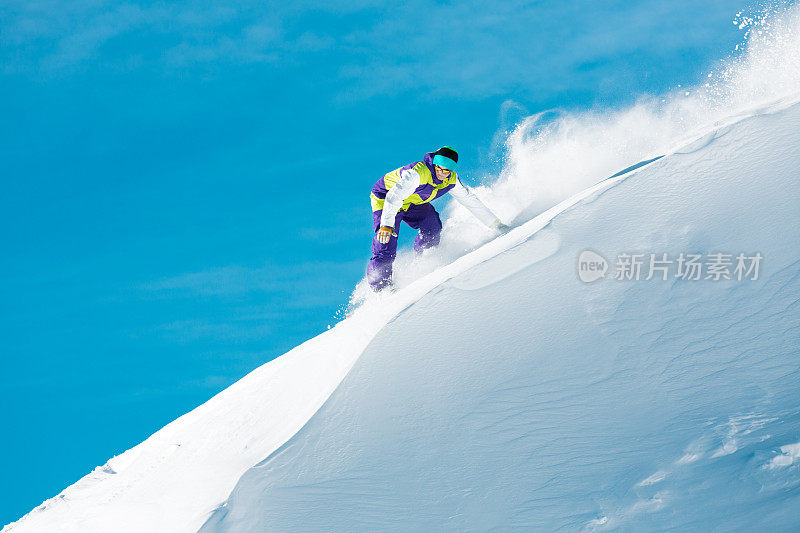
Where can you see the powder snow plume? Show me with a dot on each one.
(554, 154)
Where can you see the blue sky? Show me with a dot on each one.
(184, 184)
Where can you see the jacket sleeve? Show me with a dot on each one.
(467, 198)
(405, 187)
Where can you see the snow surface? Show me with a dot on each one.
(514, 395)
(495, 389)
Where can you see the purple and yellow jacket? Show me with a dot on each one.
(417, 184)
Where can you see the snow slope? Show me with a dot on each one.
(496, 389)
(515, 395)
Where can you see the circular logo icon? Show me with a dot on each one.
(591, 266)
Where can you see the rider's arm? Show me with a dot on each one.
(405, 187)
(467, 198)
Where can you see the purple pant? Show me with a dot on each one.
(422, 217)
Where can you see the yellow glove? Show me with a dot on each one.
(385, 233)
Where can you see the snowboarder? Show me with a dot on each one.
(404, 195)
